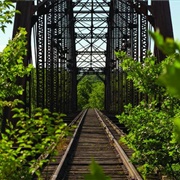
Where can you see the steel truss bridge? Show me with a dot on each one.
(68, 39)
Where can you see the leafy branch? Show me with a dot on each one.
(12, 66)
(7, 12)
(151, 123)
(20, 146)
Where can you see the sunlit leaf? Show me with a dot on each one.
(177, 128)
(170, 79)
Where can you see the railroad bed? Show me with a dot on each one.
(93, 139)
(93, 143)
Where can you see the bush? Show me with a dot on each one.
(151, 123)
(33, 136)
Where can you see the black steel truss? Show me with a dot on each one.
(55, 57)
(77, 37)
(91, 29)
(127, 31)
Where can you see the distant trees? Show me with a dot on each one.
(84, 89)
(96, 99)
(90, 93)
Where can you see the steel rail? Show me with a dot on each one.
(52, 146)
(64, 157)
(114, 126)
(133, 173)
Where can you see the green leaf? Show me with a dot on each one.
(170, 79)
(177, 128)
(96, 172)
(20, 91)
(8, 131)
(167, 46)
(158, 38)
(46, 111)
(38, 114)
(21, 131)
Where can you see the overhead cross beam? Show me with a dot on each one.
(91, 29)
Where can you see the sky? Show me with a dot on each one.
(175, 15)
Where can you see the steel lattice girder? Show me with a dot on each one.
(125, 32)
(91, 29)
(101, 28)
(128, 31)
(56, 82)
(83, 34)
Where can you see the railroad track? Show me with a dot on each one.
(93, 139)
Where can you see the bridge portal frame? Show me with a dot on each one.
(126, 17)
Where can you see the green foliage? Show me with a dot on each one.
(33, 136)
(12, 67)
(143, 75)
(96, 99)
(150, 136)
(150, 124)
(170, 77)
(177, 128)
(168, 46)
(6, 14)
(84, 89)
(96, 172)
(90, 93)
(171, 72)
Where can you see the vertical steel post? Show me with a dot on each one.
(162, 21)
